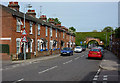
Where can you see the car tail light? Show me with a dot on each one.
(90, 52)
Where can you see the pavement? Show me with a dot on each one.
(110, 62)
(11, 63)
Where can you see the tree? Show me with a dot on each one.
(72, 30)
(56, 20)
(107, 29)
(94, 31)
(117, 32)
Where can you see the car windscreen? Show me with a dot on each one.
(66, 48)
(95, 50)
(78, 47)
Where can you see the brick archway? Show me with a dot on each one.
(94, 39)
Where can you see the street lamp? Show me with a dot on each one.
(28, 6)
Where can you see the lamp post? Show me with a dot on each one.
(28, 6)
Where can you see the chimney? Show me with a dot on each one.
(14, 5)
(44, 18)
(51, 20)
(31, 13)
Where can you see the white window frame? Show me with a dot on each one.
(56, 33)
(31, 27)
(19, 23)
(18, 45)
(31, 45)
(50, 32)
(26, 47)
(46, 31)
(38, 29)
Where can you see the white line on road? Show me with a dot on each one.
(48, 69)
(77, 58)
(98, 71)
(68, 62)
(82, 55)
(21, 80)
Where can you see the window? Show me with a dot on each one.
(31, 24)
(19, 23)
(18, 46)
(38, 29)
(46, 31)
(30, 46)
(56, 33)
(63, 34)
(51, 32)
(38, 45)
(27, 47)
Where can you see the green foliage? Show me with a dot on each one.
(94, 31)
(107, 29)
(56, 20)
(117, 32)
(81, 36)
(72, 30)
(4, 48)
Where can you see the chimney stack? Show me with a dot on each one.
(51, 20)
(14, 5)
(44, 18)
(31, 13)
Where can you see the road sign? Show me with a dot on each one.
(24, 32)
(24, 39)
(81, 42)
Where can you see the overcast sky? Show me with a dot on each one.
(84, 16)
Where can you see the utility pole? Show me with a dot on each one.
(40, 10)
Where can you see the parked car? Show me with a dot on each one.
(95, 53)
(83, 48)
(78, 49)
(66, 51)
(102, 50)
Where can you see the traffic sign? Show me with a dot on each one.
(81, 42)
(24, 32)
(24, 39)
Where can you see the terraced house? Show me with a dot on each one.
(43, 37)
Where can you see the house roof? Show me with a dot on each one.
(30, 18)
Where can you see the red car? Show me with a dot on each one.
(95, 53)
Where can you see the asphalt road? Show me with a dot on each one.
(63, 68)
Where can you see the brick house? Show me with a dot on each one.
(43, 38)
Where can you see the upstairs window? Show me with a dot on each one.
(31, 26)
(46, 31)
(19, 23)
(51, 32)
(56, 33)
(38, 29)
(63, 34)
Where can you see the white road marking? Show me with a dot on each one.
(68, 62)
(48, 69)
(77, 58)
(98, 71)
(96, 76)
(105, 77)
(82, 55)
(21, 80)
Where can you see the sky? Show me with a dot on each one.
(84, 16)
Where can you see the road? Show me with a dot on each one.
(62, 68)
